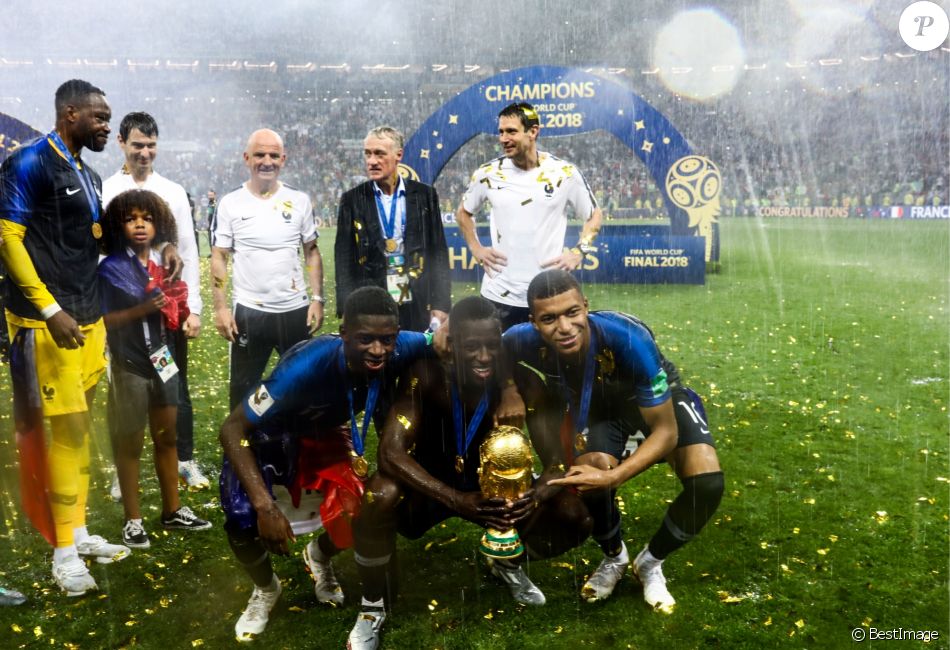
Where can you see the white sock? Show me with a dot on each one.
(369, 604)
(80, 534)
(61, 554)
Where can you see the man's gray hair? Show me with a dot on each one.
(388, 133)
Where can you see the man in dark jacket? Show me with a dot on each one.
(389, 234)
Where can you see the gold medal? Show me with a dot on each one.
(459, 464)
(360, 466)
(391, 246)
(580, 443)
(96, 230)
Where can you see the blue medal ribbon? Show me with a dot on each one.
(84, 180)
(590, 365)
(389, 223)
(465, 435)
(372, 395)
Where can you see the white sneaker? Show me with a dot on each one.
(73, 577)
(365, 634)
(519, 584)
(649, 572)
(105, 553)
(604, 579)
(115, 491)
(189, 474)
(326, 586)
(255, 616)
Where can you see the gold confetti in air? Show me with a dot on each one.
(432, 605)
(245, 442)
(489, 616)
(404, 421)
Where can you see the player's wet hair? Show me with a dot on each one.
(369, 301)
(524, 112)
(469, 309)
(386, 132)
(140, 120)
(113, 237)
(74, 92)
(548, 284)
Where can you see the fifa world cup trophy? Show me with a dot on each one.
(504, 473)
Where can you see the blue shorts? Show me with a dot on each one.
(610, 436)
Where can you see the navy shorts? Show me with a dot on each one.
(610, 436)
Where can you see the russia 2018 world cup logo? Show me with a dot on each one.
(693, 183)
(406, 171)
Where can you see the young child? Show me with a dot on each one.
(140, 310)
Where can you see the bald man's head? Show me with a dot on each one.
(264, 157)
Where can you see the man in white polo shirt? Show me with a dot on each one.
(529, 191)
(263, 224)
(138, 137)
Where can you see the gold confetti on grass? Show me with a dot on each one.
(800, 623)
(16, 628)
(295, 609)
(729, 599)
(37, 631)
(822, 551)
(881, 516)
(767, 621)
(197, 643)
(833, 538)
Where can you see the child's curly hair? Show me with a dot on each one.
(113, 238)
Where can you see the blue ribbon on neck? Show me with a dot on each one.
(465, 435)
(580, 414)
(389, 224)
(84, 180)
(372, 395)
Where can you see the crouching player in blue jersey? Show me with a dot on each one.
(299, 429)
(605, 370)
(428, 470)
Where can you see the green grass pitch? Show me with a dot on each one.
(821, 351)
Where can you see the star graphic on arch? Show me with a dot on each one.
(424, 154)
(647, 146)
(453, 119)
(640, 125)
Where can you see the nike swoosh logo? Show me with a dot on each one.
(71, 192)
(246, 218)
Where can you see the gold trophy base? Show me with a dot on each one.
(501, 544)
